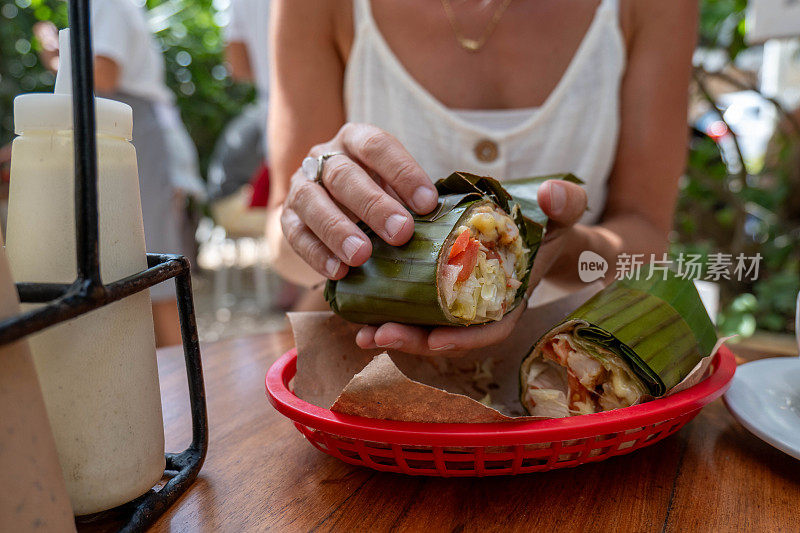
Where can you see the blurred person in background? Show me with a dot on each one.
(241, 207)
(129, 67)
(234, 169)
(247, 49)
(247, 54)
(407, 92)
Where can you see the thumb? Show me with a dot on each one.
(563, 202)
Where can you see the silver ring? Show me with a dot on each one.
(312, 166)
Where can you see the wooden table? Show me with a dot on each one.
(261, 475)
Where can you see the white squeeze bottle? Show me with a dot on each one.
(98, 372)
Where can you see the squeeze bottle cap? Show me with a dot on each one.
(53, 111)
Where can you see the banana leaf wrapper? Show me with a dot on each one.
(657, 328)
(401, 283)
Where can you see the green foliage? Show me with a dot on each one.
(192, 43)
(746, 212)
(20, 68)
(722, 25)
(719, 212)
(193, 47)
(738, 318)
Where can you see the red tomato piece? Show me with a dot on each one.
(466, 260)
(460, 244)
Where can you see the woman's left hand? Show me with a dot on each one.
(564, 203)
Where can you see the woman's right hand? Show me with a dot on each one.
(372, 181)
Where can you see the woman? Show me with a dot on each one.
(410, 91)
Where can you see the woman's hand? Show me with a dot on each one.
(371, 182)
(564, 203)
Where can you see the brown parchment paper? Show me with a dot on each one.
(380, 390)
(328, 359)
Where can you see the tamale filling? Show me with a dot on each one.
(483, 268)
(565, 379)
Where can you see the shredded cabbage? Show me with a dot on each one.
(492, 285)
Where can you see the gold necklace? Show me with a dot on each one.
(473, 45)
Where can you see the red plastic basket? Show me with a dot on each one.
(497, 448)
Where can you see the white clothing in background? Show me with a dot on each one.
(574, 130)
(120, 32)
(249, 24)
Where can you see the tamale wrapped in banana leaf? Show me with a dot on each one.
(468, 261)
(634, 340)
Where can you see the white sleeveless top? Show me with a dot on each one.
(574, 130)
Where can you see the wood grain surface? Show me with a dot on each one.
(261, 475)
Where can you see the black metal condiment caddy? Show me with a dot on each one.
(67, 301)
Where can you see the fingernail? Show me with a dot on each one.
(332, 266)
(558, 198)
(365, 338)
(443, 348)
(351, 246)
(423, 197)
(394, 224)
(396, 344)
